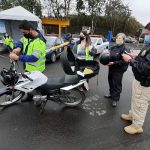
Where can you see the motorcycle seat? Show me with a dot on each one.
(57, 83)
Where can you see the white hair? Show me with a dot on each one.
(121, 34)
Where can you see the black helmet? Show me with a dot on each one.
(8, 77)
(105, 57)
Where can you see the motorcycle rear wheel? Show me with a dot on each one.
(11, 97)
(73, 98)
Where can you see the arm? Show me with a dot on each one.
(28, 58)
(142, 67)
(119, 61)
(18, 47)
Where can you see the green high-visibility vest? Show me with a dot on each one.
(87, 54)
(35, 47)
(8, 42)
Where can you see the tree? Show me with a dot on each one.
(66, 7)
(80, 6)
(95, 7)
(33, 6)
(117, 14)
(58, 8)
(6, 4)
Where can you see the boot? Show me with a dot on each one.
(114, 103)
(132, 129)
(126, 117)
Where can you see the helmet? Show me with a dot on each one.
(105, 57)
(8, 77)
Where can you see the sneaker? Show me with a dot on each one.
(114, 104)
(132, 129)
(108, 96)
(126, 117)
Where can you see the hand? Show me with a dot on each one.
(133, 55)
(16, 51)
(13, 56)
(126, 57)
(110, 63)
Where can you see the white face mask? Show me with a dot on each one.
(119, 42)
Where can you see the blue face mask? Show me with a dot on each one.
(147, 39)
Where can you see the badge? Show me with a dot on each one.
(143, 53)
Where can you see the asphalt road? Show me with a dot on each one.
(94, 126)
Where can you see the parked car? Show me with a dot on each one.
(75, 37)
(54, 47)
(130, 39)
(99, 43)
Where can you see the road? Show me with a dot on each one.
(94, 126)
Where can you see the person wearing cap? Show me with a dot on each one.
(116, 69)
(32, 47)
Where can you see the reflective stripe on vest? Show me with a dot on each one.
(86, 52)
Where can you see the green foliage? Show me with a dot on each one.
(34, 6)
(95, 7)
(116, 15)
(6, 4)
(80, 6)
(129, 27)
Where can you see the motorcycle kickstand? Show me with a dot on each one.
(43, 106)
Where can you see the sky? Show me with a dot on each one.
(140, 10)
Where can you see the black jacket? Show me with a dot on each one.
(116, 57)
(141, 66)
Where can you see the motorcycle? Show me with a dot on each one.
(65, 89)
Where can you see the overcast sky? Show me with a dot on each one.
(140, 10)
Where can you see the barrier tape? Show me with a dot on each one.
(59, 46)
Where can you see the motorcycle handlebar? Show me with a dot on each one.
(25, 76)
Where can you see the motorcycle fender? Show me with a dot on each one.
(4, 90)
(67, 88)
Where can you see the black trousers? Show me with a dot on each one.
(115, 84)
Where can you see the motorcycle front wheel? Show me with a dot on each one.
(73, 98)
(10, 97)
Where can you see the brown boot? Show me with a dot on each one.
(132, 129)
(126, 117)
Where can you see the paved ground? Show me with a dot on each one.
(94, 126)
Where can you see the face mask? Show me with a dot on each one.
(28, 36)
(147, 39)
(119, 42)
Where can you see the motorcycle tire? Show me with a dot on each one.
(10, 98)
(73, 98)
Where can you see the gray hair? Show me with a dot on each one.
(121, 34)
